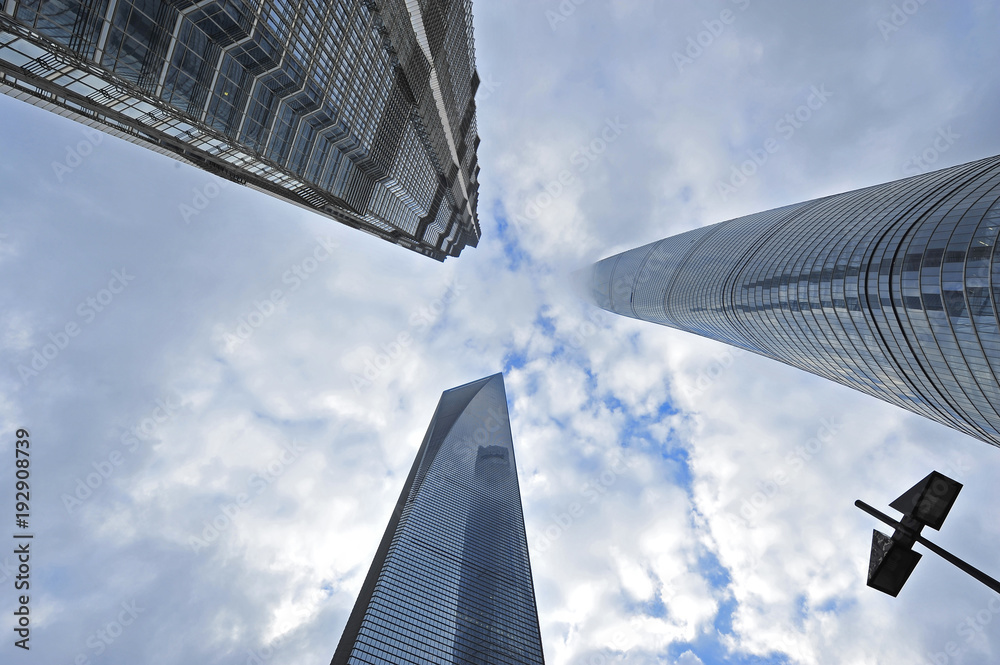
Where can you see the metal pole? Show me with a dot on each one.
(944, 554)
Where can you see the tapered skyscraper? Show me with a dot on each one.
(892, 290)
(451, 582)
(363, 111)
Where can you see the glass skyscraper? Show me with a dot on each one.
(892, 290)
(451, 582)
(363, 111)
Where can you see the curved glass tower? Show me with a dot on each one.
(360, 110)
(451, 582)
(892, 290)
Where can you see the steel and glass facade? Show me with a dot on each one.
(893, 290)
(361, 110)
(451, 581)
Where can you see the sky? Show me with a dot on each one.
(218, 444)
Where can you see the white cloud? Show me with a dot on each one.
(688, 658)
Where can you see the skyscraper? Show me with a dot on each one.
(363, 111)
(892, 290)
(451, 582)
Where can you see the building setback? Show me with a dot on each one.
(451, 581)
(892, 290)
(363, 111)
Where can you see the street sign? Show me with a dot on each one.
(930, 500)
(890, 565)
(925, 504)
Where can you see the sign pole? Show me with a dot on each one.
(944, 554)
